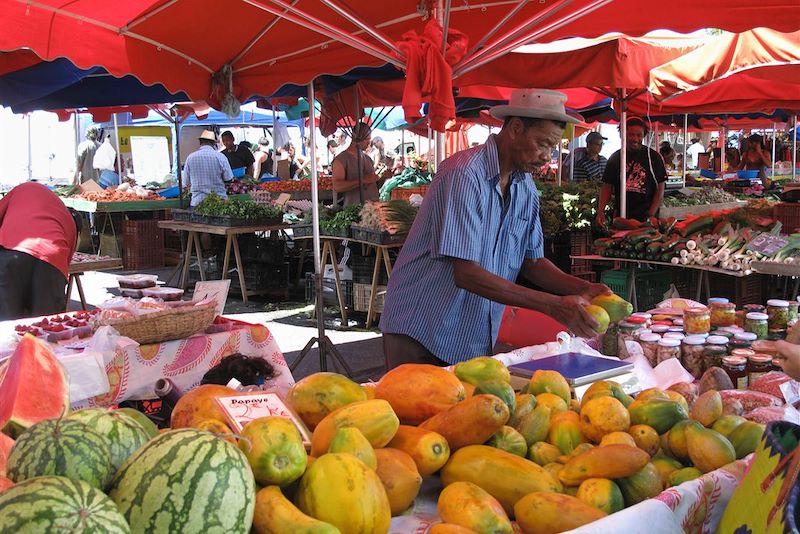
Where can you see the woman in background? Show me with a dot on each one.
(755, 157)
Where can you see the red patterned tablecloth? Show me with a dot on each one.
(133, 369)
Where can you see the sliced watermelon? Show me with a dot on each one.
(34, 387)
(5, 447)
(5, 483)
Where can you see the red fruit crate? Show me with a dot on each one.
(788, 213)
(404, 193)
(142, 244)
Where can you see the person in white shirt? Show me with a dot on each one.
(694, 150)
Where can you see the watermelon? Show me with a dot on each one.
(64, 448)
(5, 447)
(5, 483)
(58, 504)
(123, 433)
(186, 481)
(147, 423)
(34, 387)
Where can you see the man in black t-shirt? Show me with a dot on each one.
(238, 155)
(646, 177)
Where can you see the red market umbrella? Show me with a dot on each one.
(743, 66)
(252, 47)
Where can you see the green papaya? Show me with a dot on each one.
(526, 402)
(616, 307)
(482, 369)
(642, 485)
(676, 439)
(683, 475)
(727, 424)
(665, 466)
(510, 440)
(566, 435)
(535, 425)
(606, 388)
(500, 389)
(658, 413)
(709, 450)
(745, 438)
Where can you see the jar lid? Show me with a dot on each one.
(757, 316)
(659, 328)
(647, 316)
(745, 336)
(744, 353)
(718, 300)
(753, 307)
(694, 340)
(734, 360)
(669, 342)
(732, 329)
(778, 303)
(724, 333)
(760, 358)
(793, 303)
(635, 319)
(629, 326)
(696, 310)
(643, 331)
(717, 340)
(678, 322)
(675, 329)
(674, 335)
(649, 337)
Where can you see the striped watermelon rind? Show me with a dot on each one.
(124, 434)
(58, 504)
(61, 447)
(187, 481)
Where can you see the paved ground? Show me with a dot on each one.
(289, 322)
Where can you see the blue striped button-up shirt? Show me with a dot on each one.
(206, 171)
(464, 216)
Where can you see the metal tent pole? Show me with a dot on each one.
(794, 150)
(623, 159)
(323, 342)
(722, 149)
(572, 154)
(685, 144)
(774, 128)
(274, 170)
(359, 166)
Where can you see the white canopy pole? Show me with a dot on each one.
(274, 169)
(572, 154)
(774, 130)
(723, 147)
(559, 166)
(119, 151)
(685, 144)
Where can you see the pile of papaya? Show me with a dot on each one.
(535, 461)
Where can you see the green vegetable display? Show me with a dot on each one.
(569, 207)
(215, 206)
(341, 219)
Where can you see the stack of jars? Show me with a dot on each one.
(713, 336)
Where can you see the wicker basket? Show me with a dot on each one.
(166, 325)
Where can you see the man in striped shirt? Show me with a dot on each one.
(591, 165)
(477, 230)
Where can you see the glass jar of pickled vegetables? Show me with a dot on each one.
(793, 306)
(668, 348)
(716, 348)
(609, 344)
(626, 331)
(697, 320)
(757, 365)
(659, 328)
(692, 354)
(743, 340)
(736, 367)
(777, 314)
(649, 343)
(756, 322)
(723, 314)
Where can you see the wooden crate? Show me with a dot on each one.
(361, 295)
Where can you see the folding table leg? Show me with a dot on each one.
(239, 267)
(187, 259)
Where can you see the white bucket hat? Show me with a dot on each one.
(536, 104)
(208, 135)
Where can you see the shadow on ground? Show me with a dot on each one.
(364, 357)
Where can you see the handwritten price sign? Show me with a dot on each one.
(767, 244)
(241, 409)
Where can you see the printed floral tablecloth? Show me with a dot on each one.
(694, 507)
(133, 369)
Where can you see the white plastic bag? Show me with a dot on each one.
(105, 157)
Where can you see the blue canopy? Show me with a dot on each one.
(254, 117)
(59, 84)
